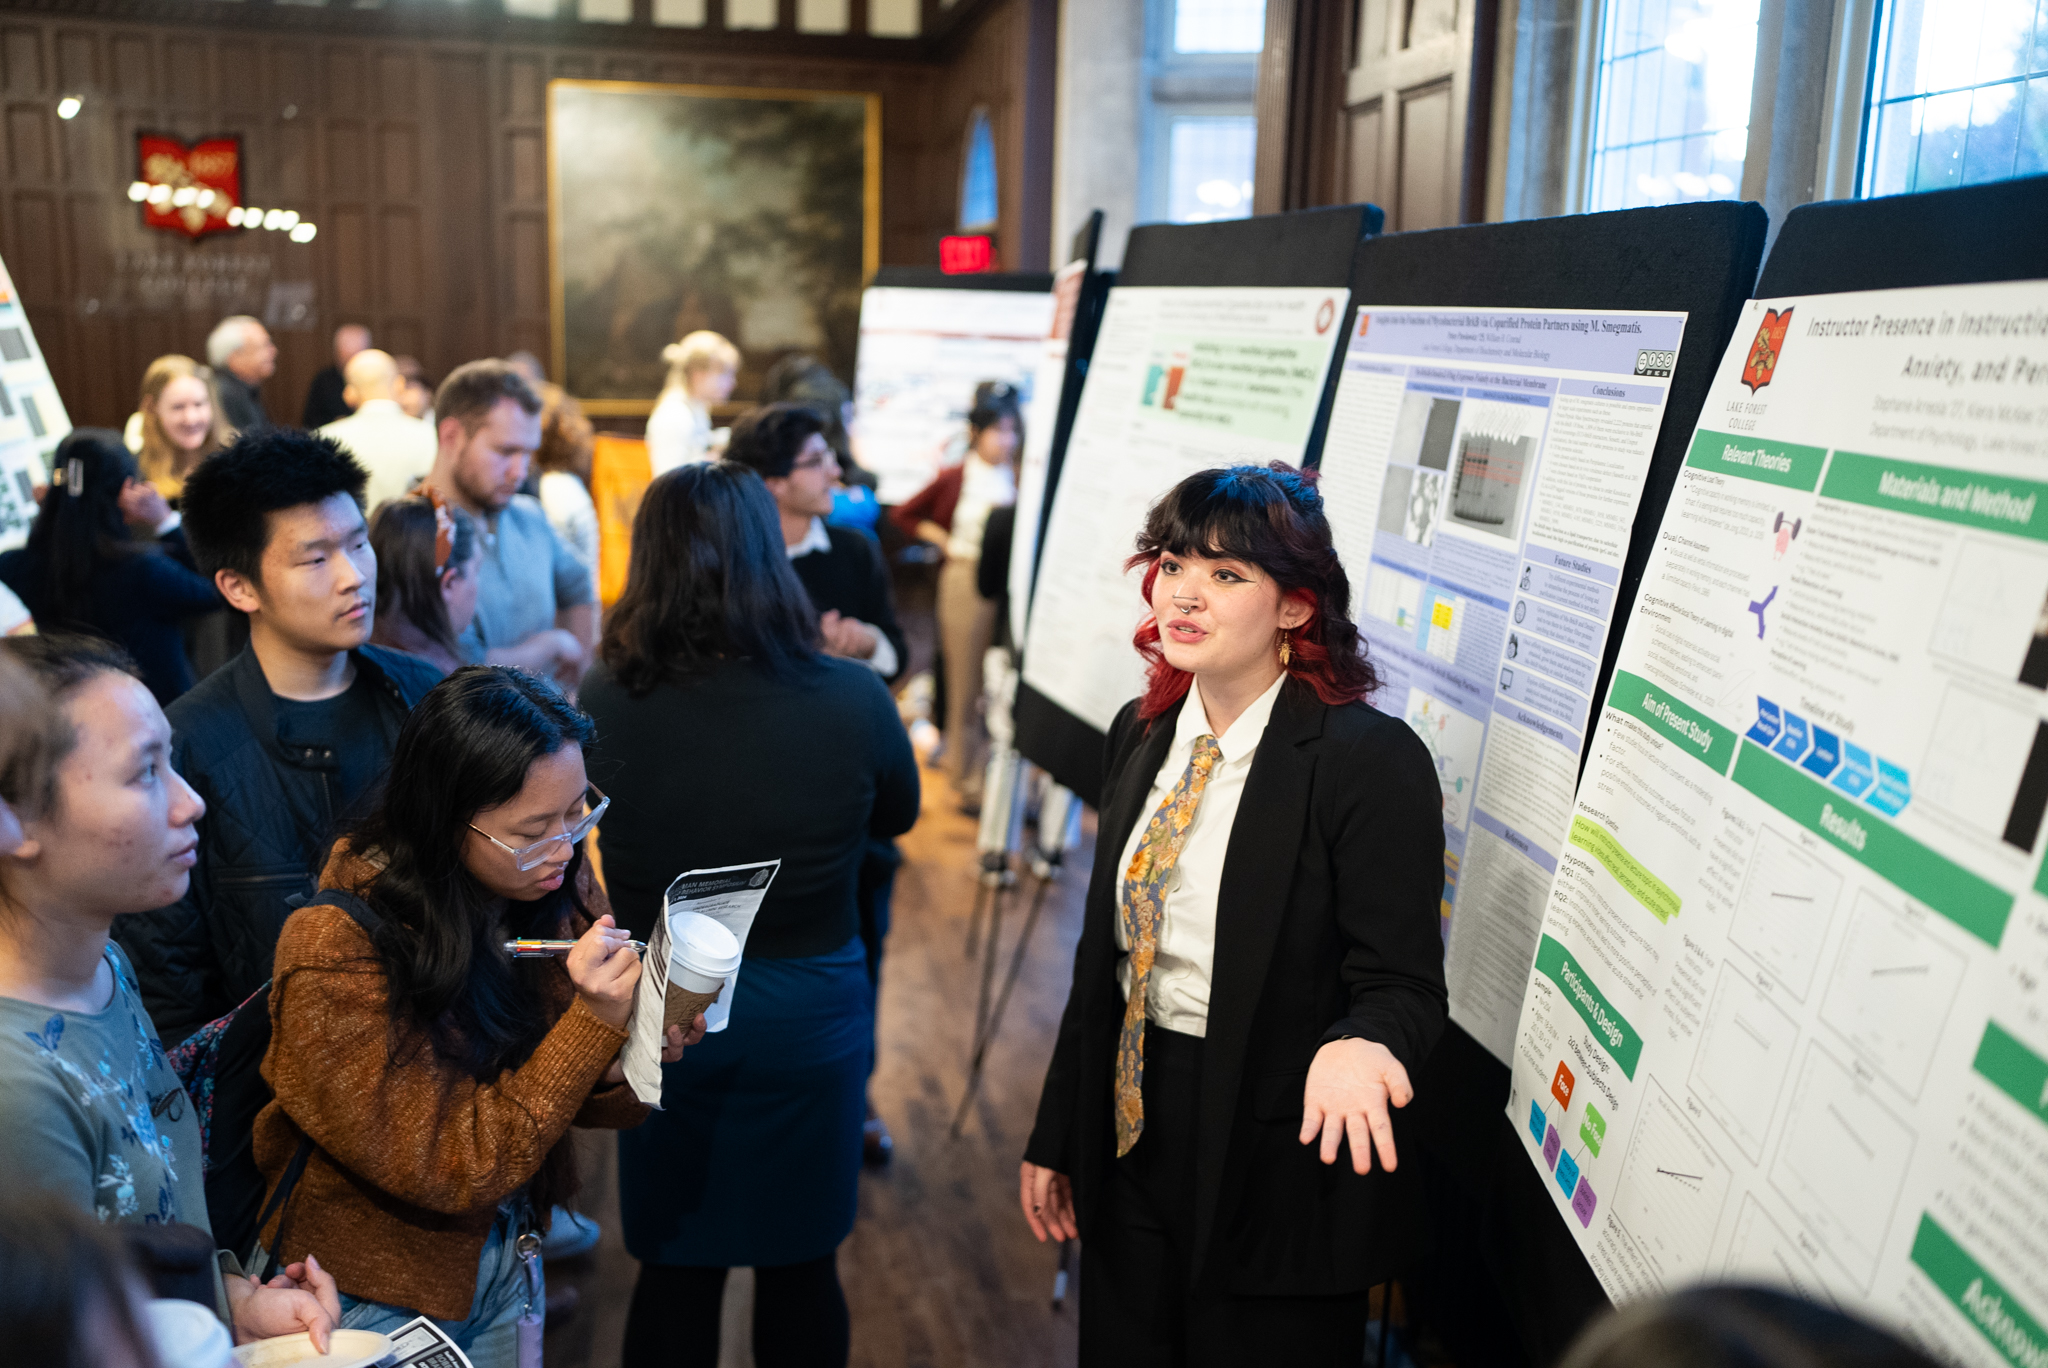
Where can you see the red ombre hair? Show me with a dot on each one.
(1272, 517)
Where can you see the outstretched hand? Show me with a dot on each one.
(1351, 1083)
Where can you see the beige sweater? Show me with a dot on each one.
(410, 1160)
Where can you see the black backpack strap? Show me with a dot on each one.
(348, 902)
(280, 1198)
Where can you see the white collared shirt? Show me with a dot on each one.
(815, 538)
(1177, 994)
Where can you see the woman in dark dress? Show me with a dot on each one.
(1260, 969)
(82, 570)
(727, 737)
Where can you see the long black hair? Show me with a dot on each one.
(80, 527)
(408, 581)
(709, 580)
(466, 747)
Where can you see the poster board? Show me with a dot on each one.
(1506, 1284)
(32, 417)
(1817, 1055)
(1079, 292)
(926, 340)
(1198, 309)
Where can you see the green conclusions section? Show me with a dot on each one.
(1695, 733)
(1979, 1296)
(1979, 907)
(1640, 884)
(1993, 502)
(1746, 458)
(1561, 967)
(2014, 1069)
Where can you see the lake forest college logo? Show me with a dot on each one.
(1765, 351)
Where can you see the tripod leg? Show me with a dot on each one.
(985, 1031)
(981, 887)
(991, 950)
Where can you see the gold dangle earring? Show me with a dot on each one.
(1285, 653)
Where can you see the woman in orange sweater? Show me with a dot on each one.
(425, 1080)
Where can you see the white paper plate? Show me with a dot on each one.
(345, 1349)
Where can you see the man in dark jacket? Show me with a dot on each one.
(286, 741)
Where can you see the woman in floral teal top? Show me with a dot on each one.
(94, 823)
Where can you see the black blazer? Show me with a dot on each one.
(1327, 925)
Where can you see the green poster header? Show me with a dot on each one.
(1613, 1032)
(1983, 1301)
(1993, 502)
(1979, 907)
(1632, 874)
(1695, 733)
(1746, 458)
(2017, 1071)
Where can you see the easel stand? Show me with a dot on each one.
(1002, 830)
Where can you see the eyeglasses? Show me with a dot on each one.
(815, 462)
(531, 856)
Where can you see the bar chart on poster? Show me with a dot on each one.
(1185, 377)
(1481, 473)
(1795, 955)
(32, 417)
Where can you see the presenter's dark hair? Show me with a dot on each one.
(768, 440)
(230, 495)
(709, 580)
(1273, 517)
(471, 391)
(1736, 1327)
(466, 747)
(80, 528)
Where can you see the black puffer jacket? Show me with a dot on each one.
(269, 821)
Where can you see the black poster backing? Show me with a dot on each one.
(1507, 1281)
(1308, 248)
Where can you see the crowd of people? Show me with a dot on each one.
(316, 719)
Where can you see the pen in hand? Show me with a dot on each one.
(541, 949)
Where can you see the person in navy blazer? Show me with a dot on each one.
(1298, 981)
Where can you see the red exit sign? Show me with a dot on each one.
(966, 255)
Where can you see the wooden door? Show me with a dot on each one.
(1415, 110)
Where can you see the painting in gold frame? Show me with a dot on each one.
(754, 213)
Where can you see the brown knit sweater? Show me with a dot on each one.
(410, 1161)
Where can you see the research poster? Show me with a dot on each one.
(921, 354)
(1786, 1019)
(32, 418)
(1481, 473)
(1183, 378)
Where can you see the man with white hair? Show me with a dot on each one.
(325, 400)
(242, 356)
(394, 447)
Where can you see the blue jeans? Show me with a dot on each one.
(490, 1334)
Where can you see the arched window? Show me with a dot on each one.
(978, 175)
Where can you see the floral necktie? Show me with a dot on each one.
(1138, 913)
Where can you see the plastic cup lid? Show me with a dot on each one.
(702, 944)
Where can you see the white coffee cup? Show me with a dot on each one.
(701, 952)
(189, 1335)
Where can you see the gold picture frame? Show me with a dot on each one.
(597, 373)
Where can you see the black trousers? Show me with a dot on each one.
(1137, 1308)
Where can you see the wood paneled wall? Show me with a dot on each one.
(422, 158)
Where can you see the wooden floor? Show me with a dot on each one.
(941, 1269)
